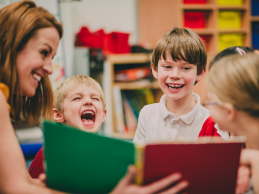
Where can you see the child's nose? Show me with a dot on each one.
(88, 101)
(175, 73)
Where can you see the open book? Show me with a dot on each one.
(209, 164)
(82, 162)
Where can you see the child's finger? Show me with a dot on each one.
(243, 176)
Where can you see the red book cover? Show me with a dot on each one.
(208, 167)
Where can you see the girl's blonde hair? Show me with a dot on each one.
(70, 83)
(18, 23)
(235, 79)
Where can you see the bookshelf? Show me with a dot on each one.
(171, 13)
(111, 63)
(156, 17)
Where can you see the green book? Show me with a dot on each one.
(82, 162)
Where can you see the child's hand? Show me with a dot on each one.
(126, 184)
(250, 157)
(243, 176)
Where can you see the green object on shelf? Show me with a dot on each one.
(80, 162)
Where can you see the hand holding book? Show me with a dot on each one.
(126, 184)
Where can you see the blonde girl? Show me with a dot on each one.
(233, 90)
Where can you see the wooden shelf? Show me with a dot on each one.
(254, 18)
(129, 58)
(141, 84)
(205, 31)
(123, 135)
(228, 31)
(233, 7)
(203, 7)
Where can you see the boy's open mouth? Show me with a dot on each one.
(175, 86)
(88, 117)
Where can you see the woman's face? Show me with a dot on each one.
(34, 61)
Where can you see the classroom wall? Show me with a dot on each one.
(110, 15)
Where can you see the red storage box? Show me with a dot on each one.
(194, 1)
(116, 42)
(205, 39)
(86, 38)
(194, 19)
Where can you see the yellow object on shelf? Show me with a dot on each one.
(230, 2)
(229, 20)
(228, 40)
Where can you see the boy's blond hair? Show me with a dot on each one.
(61, 91)
(181, 44)
(235, 80)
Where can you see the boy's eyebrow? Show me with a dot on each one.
(80, 94)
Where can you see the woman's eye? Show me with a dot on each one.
(167, 67)
(96, 99)
(76, 98)
(186, 68)
(44, 53)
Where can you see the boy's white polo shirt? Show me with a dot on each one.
(156, 123)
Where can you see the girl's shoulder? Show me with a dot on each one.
(4, 88)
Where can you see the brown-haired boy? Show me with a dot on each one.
(178, 62)
(79, 102)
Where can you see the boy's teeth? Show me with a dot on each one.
(173, 86)
(88, 112)
(36, 77)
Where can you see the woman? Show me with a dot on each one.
(29, 38)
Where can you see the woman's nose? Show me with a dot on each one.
(47, 67)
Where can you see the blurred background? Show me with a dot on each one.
(112, 41)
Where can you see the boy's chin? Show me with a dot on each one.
(90, 130)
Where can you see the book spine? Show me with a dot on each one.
(139, 163)
(120, 125)
(131, 120)
(132, 103)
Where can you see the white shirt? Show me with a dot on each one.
(156, 123)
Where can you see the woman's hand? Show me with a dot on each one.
(42, 178)
(126, 185)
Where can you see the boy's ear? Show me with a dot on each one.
(199, 77)
(155, 74)
(104, 114)
(58, 117)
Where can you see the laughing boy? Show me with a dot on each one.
(178, 62)
(79, 102)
